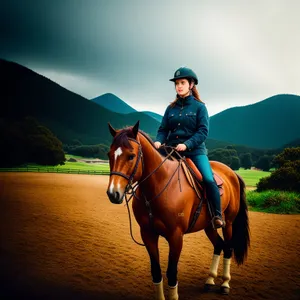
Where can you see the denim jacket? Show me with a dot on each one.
(186, 122)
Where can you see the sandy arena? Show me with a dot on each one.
(61, 238)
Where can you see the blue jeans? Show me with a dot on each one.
(213, 195)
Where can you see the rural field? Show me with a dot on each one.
(61, 238)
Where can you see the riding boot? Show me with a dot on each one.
(213, 195)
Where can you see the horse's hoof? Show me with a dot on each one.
(208, 287)
(225, 290)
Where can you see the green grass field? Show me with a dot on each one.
(251, 177)
(68, 167)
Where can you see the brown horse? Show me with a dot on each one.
(164, 204)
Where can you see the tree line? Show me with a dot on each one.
(231, 157)
(26, 141)
(95, 151)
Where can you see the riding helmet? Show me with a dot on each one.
(184, 72)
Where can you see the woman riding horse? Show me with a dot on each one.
(164, 205)
(185, 125)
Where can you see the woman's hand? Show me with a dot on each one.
(180, 147)
(157, 145)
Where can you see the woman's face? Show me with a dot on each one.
(182, 87)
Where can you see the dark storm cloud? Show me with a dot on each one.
(241, 51)
(52, 32)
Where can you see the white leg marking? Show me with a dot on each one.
(159, 290)
(118, 152)
(173, 292)
(226, 272)
(213, 271)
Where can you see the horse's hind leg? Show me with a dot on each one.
(175, 244)
(150, 240)
(227, 233)
(218, 244)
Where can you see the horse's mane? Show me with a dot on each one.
(145, 135)
(121, 139)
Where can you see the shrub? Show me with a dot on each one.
(287, 176)
(274, 201)
(71, 159)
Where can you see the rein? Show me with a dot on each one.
(130, 188)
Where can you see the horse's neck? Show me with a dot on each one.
(154, 162)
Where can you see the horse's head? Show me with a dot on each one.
(124, 161)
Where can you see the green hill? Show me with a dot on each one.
(69, 116)
(113, 103)
(154, 115)
(292, 144)
(270, 123)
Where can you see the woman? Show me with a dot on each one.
(185, 126)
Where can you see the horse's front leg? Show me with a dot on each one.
(175, 243)
(218, 244)
(150, 240)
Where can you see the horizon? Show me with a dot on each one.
(133, 106)
(210, 115)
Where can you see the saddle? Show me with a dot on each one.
(194, 178)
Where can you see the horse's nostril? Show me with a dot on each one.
(113, 196)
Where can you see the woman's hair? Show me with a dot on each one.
(195, 93)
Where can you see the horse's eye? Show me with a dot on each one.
(131, 157)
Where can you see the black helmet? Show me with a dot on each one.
(184, 72)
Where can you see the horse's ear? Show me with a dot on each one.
(135, 128)
(112, 130)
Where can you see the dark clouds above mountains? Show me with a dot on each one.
(242, 52)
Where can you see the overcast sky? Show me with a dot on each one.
(242, 51)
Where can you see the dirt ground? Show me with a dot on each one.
(61, 238)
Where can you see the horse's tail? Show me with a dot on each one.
(240, 227)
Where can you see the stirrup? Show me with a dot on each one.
(217, 226)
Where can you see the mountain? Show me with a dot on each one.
(113, 103)
(292, 144)
(69, 116)
(270, 123)
(154, 115)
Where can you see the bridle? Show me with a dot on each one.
(139, 158)
(130, 189)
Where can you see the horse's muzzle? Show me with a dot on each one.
(115, 197)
